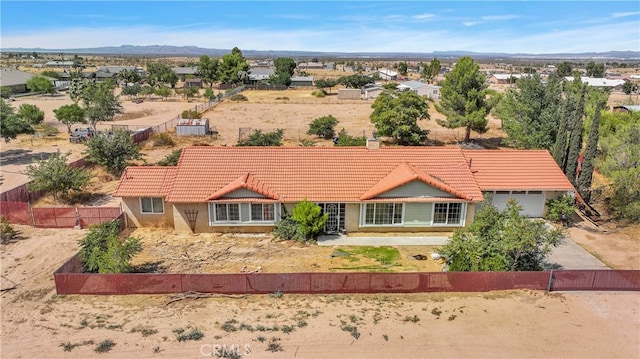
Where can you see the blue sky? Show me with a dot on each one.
(343, 26)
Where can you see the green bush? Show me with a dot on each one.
(162, 139)
(171, 159)
(318, 93)
(238, 97)
(323, 127)
(288, 229)
(344, 139)
(102, 251)
(310, 219)
(190, 114)
(559, 206)
(7, 231)
(258, 138)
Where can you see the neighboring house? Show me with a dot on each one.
(310, 66)
(421, 89)
(193, 83)
(182, 72)
(505, 78)
(260, 74)
(364, 189)
(349, 94)
(372, 91)
(386, 74)
(599, 82)
(16, 80)
(301, 81)
(59, 64)
(626, 108)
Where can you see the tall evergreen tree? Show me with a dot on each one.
(586, 172)
(575, 138)
(463, 99)
(560, 146)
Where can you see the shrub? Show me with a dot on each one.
(238, 97)
(257, 138)
(309, 218)
(47, 129)
(171, 159)
(559, 206)
(318, 93)
(102, 251)
(288, 229)
(162, 139)
(105, 346)
(323, 127)
(7, 231)
(193, 334)
(344, 139)
(190, 114)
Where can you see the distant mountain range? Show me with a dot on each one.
(165, 50)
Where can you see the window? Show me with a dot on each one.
(447, 213)
(383, 213)
(227, 212)
(262, 212)
(151, 205)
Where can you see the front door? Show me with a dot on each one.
(336, 217)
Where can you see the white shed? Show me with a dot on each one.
(349, 94)
(192, 127)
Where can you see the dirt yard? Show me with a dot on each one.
(165, 251)
(38, 323)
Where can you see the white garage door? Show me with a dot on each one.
(532, 201)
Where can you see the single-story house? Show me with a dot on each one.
(421, 89)
(259, 74)
(364, 189)
(15, 79)
(310, 66)
(301, 81)
(506, 78)
(599, 82)
(185, 71)
(197, 82)
(349, 94)
(372, 91)
(386, 74)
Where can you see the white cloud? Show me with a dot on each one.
(616, 15)
(423, 17)
(500, 17)
(470, 23)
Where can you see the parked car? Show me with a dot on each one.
(81, 134)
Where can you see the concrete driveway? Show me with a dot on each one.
(569, 255)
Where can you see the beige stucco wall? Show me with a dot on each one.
(181, 223)
(131, 206)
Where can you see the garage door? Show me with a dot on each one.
(532, 201)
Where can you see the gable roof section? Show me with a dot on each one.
(516, 170)
(320, 174)
(246, 181)
(404, 174)
(147, 181)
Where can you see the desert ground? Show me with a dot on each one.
(38, 323)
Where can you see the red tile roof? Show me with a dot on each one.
(147, 181)
(246, 181)
(516, 170)
(340, 174)
(320, 174)
(404, 174)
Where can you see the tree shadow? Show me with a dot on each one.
(150, 267)
(23, 157)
